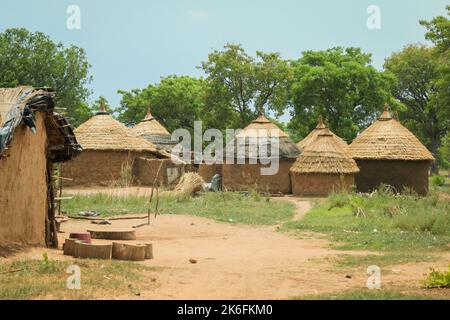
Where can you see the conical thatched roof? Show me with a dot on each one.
(103, 132)
(387, 139)
(321, 128)
(153, 131)
(264, 128)
(150, 126)
(325, 155)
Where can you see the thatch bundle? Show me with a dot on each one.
(189, 184)
(321, 128)
(153, 131)
(387, 139)
(325, 155)
(103, 132)
(257, 132)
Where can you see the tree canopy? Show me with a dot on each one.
(33, 59)
(339, 84)
(177, 101)
(240, 86)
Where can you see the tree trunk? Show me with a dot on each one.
(435, 142)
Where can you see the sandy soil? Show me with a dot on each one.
(241, 262)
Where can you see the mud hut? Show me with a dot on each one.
(245, 173)
(323, 167)
(32, 139)
(151, 130)
(110, 153)
(321, 128)
(388, 153)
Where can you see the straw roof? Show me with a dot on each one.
(387, 139)
(150, 126)
(103, 132)
(19, 105)
(153, 131)
(263, 128)
(325, 155)
(321, 128)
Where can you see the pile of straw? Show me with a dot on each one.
(190, 183)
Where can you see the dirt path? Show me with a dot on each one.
(234, 261)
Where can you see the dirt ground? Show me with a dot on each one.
(242, 262)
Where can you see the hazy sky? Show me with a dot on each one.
(135, 42)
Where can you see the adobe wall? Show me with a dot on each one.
(145, 171)
(23, 185)
(207, 171)
(97, 167)
(320, 185)
(242, 177)
(398, 174)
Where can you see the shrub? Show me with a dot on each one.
(438, 181)
(438, 279)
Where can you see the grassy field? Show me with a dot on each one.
(366, 295)
(252, 208)
(46, 279)
(405, 227)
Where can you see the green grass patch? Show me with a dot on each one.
(46, 278)
(381, 222)
(437, 279)
(365, 295)
(347, 261)
(231, 207)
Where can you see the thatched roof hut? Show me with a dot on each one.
(245, 173)
(323, 166)
(110, 150)
(32, 138)
(321, 128)
(103, 132)
(388, 153)
(153, 131)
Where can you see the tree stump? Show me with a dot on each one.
(113, 234)
(129, 252)
(94, 251)
(69, 247)
(148, 250)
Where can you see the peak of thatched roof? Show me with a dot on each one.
(103, 132)
(321, 128)
(387, 139)
(325, 155)
(261, 128)
(149, 126)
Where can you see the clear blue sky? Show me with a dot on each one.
(135, 42)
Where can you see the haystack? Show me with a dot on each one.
(388, 153)
(32, 138)
(110, 151)
(321, 128)
(323, 167)
(151, 130)
(246, 173)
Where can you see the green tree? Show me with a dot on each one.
(177, 101)
(33, 59)
(342, 86)
(240, 86)
(444, 151)
(416, 72)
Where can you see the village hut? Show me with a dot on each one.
(323, 167)
(152, 130)
(247, 168)
(388, 153)
(32, 139)
(112, 155)
(321, 128)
